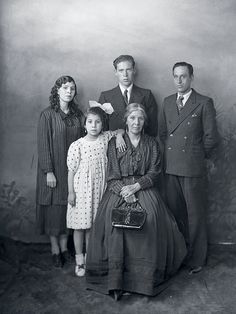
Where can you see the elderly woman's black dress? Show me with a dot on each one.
(134, 260)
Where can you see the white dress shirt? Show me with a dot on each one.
(129, 89)
(186, 96)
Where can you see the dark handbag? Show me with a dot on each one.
(128, 215)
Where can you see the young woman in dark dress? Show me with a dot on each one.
(136, 261)
(59, 125)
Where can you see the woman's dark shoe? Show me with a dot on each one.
(126, 293)
(195, 270)
(56, 260)
(117, 294)
(67, 258)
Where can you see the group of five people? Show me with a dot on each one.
(113, 156)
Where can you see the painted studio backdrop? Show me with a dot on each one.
(41, 40)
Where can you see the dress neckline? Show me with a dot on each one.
(88, 141)
(132, 147)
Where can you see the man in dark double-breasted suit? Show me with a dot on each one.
(126, 93)
(188, 131)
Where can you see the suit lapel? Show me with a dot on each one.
(190, 105)
(173, 115)
(135, 95)
(118, 102)
(119, 97)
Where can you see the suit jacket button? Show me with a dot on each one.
(171, 134)
(183, 150)
(185, 137)
(188, 123)
(169, 148)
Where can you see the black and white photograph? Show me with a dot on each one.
(118, 157)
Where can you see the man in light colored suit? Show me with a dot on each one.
(125, 93)
(188, 131)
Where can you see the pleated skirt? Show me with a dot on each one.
(134, 260)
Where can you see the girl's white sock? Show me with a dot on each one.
(79, 259)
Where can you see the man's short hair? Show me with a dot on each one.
(183, 64)
(123, 58)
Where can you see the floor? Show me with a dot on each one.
(29, 284)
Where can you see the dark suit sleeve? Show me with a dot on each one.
(151, 110)
(210, 133)
(102, 100)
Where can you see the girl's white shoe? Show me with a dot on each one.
(80, 270)
(80, 265)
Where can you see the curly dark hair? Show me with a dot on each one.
(54, 97)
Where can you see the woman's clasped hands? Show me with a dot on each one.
(128, 192)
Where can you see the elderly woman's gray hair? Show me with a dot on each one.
(134, 107)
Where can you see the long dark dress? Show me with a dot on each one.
(56, 131)
(134, 260)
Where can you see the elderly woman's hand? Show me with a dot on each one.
(130, 199)
(129, 190)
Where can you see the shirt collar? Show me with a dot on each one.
(122, 88)
(186, 96)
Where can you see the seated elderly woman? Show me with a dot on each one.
(133, 260)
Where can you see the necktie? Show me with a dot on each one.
(179, 103)
(126, 97)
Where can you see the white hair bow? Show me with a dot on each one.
(107, 107)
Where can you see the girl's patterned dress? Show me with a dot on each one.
(88, 161)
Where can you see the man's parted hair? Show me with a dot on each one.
(183, 64)
(122, 58)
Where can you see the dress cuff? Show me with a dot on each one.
(116, 186)
(47, 170)
(145, 183)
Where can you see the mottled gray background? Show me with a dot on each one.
(41, 40)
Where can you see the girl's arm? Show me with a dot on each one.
(71, 190)
(73, 158)
(120, 143)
